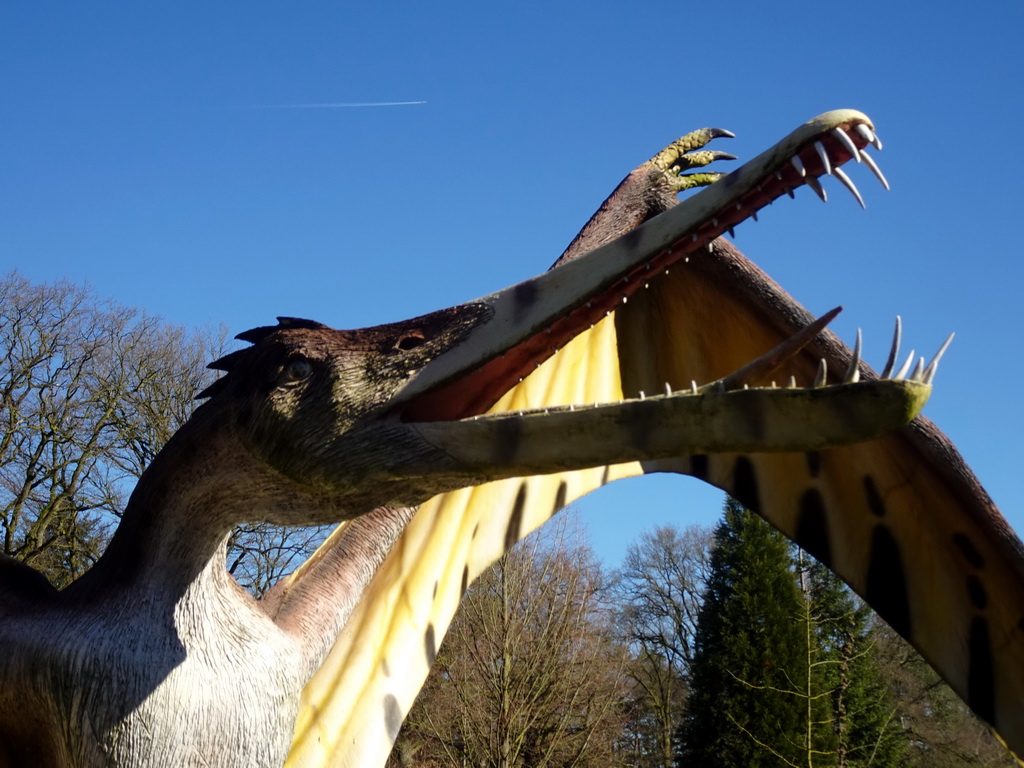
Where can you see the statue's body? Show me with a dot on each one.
(157, 658)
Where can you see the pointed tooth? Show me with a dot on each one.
(668, 389)
(902, 372)
(714, 222)
(746, 386)
(933, 366)
(572, 407)
(865, 133)
(792, 382)
(790, 193)
(753, 215)
(732, 234)
(798, 165)
(778, 175)
(852, 375)
(642, 395)
(710, 250)
(820, 149)
(894, 350)
(840, 174)
(693, 387)
(822, 376)
(813, 183)
(739, 206)
(870, 163)
(847, 142)
(918, 370)
(624, 299)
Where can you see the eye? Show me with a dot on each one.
(296, 369)
(409, 342)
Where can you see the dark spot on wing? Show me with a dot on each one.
(509, 436)
(967, 549)
(515, 522)
(977, 593)
(981, 689)
(873, 497)
(744, 480)
(392, 716)
(525, 295)
(813, 462)
(430, 644)
(699, 466)
(812, 526)
(563, 491)
(887, 582)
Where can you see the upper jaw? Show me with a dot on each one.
(530, 321)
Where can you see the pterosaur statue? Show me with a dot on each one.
(437, 442)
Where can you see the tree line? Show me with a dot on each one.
(725, 647)
(705, 648)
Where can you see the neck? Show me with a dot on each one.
(176, 524)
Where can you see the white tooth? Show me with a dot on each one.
(822, 376)
(853, 372)
(624, 299)
(877, 143)
(798, 165)
(902, 372)
(820, 149)
(693, 237)
(746, 386)
(642, 395)
(668, 389)
(870, 163)
(693, 387)
(813, 183)
(710, 250)
(933, 366)
(865, 133)
(840, 174)
(792, 382)
(739, 206)
(778, 175)
(847, 142)
(647, 285)
(572, 407)
(589, 305)
(774, 385)
(714, 222)
(894, 350)
(918, 370)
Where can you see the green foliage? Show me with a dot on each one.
(748, 652)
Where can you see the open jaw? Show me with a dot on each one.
(529, 322)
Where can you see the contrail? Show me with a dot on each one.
(337, 105)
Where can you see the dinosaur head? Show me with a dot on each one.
(398, 413)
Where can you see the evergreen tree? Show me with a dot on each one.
(749, 653)
(852, 718)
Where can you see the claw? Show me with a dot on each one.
(840, 174)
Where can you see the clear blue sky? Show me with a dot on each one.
(136, 154)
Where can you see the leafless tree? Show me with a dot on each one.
(529, 674)
(89, 392)
(660, 587)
